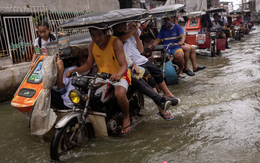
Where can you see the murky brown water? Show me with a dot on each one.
(217, 121)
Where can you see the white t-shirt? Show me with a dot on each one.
(68, 87)
(216, 25)
(44, 43)
(130, 48)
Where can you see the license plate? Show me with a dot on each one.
(200, 38)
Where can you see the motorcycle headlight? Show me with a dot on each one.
(74, 96)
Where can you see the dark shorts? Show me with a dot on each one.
(156, 76)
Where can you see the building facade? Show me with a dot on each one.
(18, 20)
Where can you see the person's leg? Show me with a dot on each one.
(187, 51)
(227, 33)
(168, 116)
(57, 101)
(193, 58)
(223, 36)
(146, 89)
(156, 73)
(120, 94)
(178, 56)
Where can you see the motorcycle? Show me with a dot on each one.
(237, 33)
(214, 35)
(247, 26)
(166, 62)
(91, 100)
(95, 109)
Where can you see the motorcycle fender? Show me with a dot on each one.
(170, 74)
(99, 124)
(64, 120)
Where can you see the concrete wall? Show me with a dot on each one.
(196, 5)
(65, 5)
(11, 78)
(257, 6)
(4, 61)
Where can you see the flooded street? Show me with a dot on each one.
(218, 120)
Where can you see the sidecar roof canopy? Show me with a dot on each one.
(105, 20)
(236, 13)
(78, 46)
(166, 10)
(246, 11)
(214, 10)
(75, 40)
(196, 14)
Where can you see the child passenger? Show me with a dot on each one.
(45, 36)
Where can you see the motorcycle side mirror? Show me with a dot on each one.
(65, 53)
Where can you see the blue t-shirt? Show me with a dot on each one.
(169, 36)
(247, 19)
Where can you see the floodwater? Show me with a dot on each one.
(217, 121)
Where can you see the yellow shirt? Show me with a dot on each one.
(106, 60)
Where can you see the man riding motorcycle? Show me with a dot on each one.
(217, 23)
(240, 22)
(108, 53)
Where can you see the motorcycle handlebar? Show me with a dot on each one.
(105, 76)
(161, 47)
(73, 73)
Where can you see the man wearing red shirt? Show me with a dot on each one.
(240, 22)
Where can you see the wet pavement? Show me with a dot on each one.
(217, 121)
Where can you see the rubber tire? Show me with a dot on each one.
(212, 51)
(56, 140)
(236, 36)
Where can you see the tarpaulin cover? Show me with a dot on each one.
(104, 20)
(43, 117)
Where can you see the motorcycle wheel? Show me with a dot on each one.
(236, 36)
(212, 51)
(69, 137)
(137, 98)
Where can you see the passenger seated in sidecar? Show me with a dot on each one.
(247, 19)
(218, 24)
(60, 92)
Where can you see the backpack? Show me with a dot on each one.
(52, 38)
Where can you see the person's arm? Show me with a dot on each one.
(34, 55)
(127, 35)
(181, 42)
(60, 65)
(33, 60)
(120, 56)
(180, 32)
(139, 44)
(87, 65)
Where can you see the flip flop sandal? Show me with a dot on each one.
(124, 134)
(181, 76)
(163, 116)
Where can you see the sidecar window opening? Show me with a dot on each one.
(193, 23)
